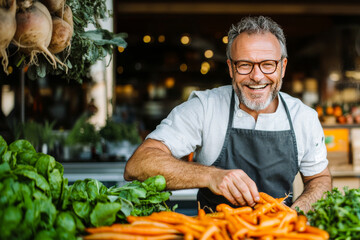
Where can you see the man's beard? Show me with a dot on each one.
(251, 103)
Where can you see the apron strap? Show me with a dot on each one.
(291, 127)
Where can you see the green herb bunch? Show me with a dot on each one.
(83, 132)
(338, 213)
(36, 201)
(114, 131)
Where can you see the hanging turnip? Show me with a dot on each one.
(7, 29)
(34, 31)
(66, 14)
(53, 5)
(61, 35)
(63, 29)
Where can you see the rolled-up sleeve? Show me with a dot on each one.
(314, 160)
(181, 130)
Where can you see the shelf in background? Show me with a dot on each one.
(345, 171)
(341, 125)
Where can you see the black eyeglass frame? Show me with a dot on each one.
(253, 65)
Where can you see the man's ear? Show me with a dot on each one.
(284, 64)
(229, 63)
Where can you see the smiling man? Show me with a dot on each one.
(248, 137)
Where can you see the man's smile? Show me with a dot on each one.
(257, 86)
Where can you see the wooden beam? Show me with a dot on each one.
(236, 8)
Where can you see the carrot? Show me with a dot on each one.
(279, 215)
(209, 232)
(135, 230)
(294, 235)
(188, 230)
(266, 221)
(120, 236)
(324, 234)
(285, 238)
(168, 215)
(289, 218)
(172, 218)
(218, 236)
(215, 221)
(152, 223)
(196, 227)
(245, 223)
(224, 233)
(201, 213)
(300, 224)
(270, 199)
(188, 236)
(280, 200)
(131, 219)
(230, 228)
(226, 208)
(264, 208)
(233, 224)
(107, 228)
(240, 234)
(267, 237)
(269, 231)
(250, 218)
(216, 215)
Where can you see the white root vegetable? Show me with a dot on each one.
(7, 29)
(61, 35)
(53, 5)
(34, 31)
(66, 15)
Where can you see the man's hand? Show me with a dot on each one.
(235, 185)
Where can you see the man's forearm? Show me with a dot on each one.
(179, 174)
(313, 191)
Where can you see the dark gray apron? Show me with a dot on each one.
(269, 158)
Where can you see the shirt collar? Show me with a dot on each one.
(279, 108)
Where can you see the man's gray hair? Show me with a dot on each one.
(258, 24)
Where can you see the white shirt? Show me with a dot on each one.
(200, 125)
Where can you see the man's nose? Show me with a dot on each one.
(256, 74)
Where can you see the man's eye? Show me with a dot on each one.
(244, 65)
(268, 64)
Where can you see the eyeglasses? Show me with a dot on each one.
(245, 67)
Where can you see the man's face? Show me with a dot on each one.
(256, 90)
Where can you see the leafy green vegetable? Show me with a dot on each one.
(104, 214)
(66, 222)
(141, 198)
(37, 203)
(3, 146)
(156, 183)
(338, 213)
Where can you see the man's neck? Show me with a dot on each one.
(270, 109)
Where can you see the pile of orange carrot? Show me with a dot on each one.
(268, 220)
